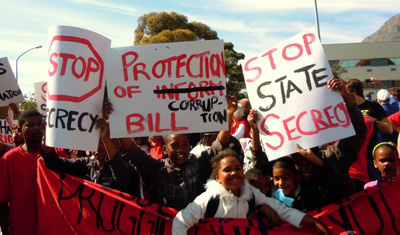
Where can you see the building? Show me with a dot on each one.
(365, 60)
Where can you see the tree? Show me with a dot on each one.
(166, 27)
(28, 103)
(337, 70)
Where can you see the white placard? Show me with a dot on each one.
(6, 133)
(287, 84)
(75, 88)
(41, 96)
(9, 89)
(167, 88)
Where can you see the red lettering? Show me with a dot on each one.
(131, 124)
(201, 58)
(54, 63)
(329, 117)
(317, 119)
(192, 85)
(93, 66)
(134, 123)
(44, 89)
(125, 63)
(271, 59)
(247, 68)
(65, 57)
(284, 52)
(206, 67)
(132, 90)
(179, 65)
(119, 92)
(169, 62)
(173, 124)
(205, 84)
(272, 133)
(83, 65)
(342, 107)
(289, 131)
(137, 70)
(300, 116)
(308, 42)
(216, 65)
(176, 86)
(154, 70)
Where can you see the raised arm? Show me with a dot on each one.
(375, 81)
(255, 132)
(351, 145)
(104, 128)
(224, 136)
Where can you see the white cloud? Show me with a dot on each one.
(245, 6)
(113, 7)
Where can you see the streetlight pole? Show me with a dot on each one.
(316, 18)
(16, 63)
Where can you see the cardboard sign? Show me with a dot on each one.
(6, 133)
(167, 88)
(75, 87)
(41, 97)
(287, 84)
(9, 89)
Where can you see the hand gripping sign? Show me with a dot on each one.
(75, 87)
(9, 89)
(287, 84)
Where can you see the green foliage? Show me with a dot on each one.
(28, 103)
(337, 70)
(166, 27)
(234, 74)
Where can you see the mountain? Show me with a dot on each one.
(389, 32)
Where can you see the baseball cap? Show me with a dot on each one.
(383, 94)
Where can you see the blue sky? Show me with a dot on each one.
(252, 25)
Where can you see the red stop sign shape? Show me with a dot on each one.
(84, 73)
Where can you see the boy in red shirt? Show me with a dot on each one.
(18, 178)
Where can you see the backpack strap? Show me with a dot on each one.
(252, 203)
(212, 207)
(213, 203)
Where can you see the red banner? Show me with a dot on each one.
(69, 205)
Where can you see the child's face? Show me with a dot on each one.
(33, 129)
(262, 183)
(387, 161)
(230, 174)
(285, 180)
(177, 148)
(306, 168)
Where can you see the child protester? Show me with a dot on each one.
(259, 180)
(177, 180)
(235, 194)
(386, 159)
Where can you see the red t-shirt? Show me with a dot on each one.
(235, 125)
(18, 187)
(395, 118)
(156, 149)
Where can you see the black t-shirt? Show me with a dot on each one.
(374, 110)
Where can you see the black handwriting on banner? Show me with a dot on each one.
(95, 201)
(9, 94)
(2, 70)
(287, 86)
(70, 120)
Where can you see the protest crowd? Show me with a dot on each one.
(220, 174)
(175, 174)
